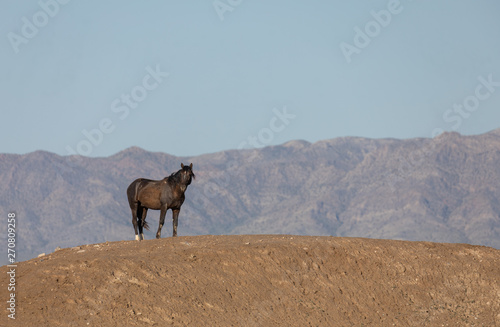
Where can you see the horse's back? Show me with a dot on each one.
(134, 187)
(132, 191)
(146, 191)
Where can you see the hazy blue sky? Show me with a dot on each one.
(193, 77)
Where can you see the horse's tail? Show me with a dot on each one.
(146, 225)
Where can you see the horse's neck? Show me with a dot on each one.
(179, 186)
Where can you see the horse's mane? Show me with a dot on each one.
(175, 178)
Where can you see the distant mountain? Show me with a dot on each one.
(445, 189)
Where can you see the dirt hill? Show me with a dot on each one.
(259, 280)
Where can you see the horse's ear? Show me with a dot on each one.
(182, 165)
(191, 166)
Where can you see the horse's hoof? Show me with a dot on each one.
(137, 238)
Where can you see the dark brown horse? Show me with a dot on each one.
(168, 193)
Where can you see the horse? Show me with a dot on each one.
(168, 193)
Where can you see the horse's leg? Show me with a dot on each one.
(163, 212)
(175, 218)
(140, 212)
(143, 221)
(133, 207)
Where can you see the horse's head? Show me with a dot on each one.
(187, 174)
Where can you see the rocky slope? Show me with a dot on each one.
(444, 190)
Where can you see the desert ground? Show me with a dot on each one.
(258, 280)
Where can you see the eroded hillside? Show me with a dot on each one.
(444, 189)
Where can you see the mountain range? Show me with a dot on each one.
(444, 189)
